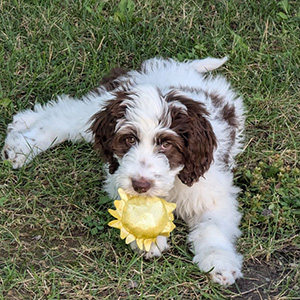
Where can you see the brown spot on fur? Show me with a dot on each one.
(197, 135)
(216, 100)
(225, 156)
(228, 114)
(112, 80)
(104, 125)
(232, 136)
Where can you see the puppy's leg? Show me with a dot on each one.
(213, 239)
(34, 131)
(156, 249)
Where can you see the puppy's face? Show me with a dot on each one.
(149, 138)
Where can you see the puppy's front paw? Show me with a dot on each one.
(22, 121)
(18, 125)
(224, 266)
(17, 149)
(226, 276)
(156, 249)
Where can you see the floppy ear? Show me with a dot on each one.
(189, 121)
(103, 128)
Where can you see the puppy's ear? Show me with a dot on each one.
(103, 128)
(189, 121)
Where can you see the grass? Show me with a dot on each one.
(54, 241)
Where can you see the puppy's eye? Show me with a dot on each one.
(165, 146)
(130, 140)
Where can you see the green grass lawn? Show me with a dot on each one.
(54, 238)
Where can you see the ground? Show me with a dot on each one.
(54, 238)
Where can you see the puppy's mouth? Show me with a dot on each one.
(151, 192)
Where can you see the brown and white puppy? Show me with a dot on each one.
(165, 130)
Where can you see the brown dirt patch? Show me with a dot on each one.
(276, 278)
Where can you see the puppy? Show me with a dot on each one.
(166, 130)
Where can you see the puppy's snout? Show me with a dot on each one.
(141, 185)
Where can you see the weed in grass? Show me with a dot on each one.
(272, 197)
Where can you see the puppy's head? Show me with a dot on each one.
(148, 139)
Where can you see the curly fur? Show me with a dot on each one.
(165, 130)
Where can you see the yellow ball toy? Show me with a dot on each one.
(142, 219)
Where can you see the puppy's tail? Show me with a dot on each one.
(207, 64)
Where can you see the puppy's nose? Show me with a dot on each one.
(141, 185)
